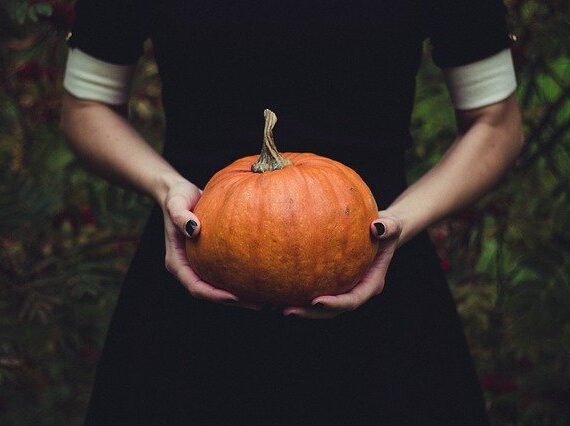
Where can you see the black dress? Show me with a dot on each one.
(341, 77)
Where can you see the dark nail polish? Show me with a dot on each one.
(191, 225)
(380, 228)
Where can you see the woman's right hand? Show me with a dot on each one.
(181, 223)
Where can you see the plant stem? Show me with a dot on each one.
(270, 159)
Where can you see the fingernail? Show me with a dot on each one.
(380, 228)
(190, 226)
(319, 305)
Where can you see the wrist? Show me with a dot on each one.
(410, 225)
(162, 185)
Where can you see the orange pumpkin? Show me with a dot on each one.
(284, 228)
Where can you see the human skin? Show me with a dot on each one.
(488, 141)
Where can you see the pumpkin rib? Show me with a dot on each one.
(323, 180)
(345, 243)
(338, 202)
(256, 205)
(218, 249)
(302, 178)
(326, 234)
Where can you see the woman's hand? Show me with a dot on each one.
(387, 229)
(179, 223)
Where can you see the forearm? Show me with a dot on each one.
(485, 148)
(106, 142)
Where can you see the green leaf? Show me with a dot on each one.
(488, 258)
(32, 14)
(525, 275)
(58, 157)
(44, 9)
(21, 11)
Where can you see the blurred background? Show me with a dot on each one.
(66, 236)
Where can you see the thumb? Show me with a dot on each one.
(186, 221)
(385, 228)
(192, 226)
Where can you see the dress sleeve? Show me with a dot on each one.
(465, 31)
(113, 31)
(471, 45)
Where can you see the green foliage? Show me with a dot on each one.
(67, 237)
(513, 247)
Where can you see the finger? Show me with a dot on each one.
(385, 228)
(370, 285)
(201, 289)
(175, 241)
(310, 313)
(185, 220)
(177, 264)
(348, 301)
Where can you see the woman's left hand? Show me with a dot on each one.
(371, 283)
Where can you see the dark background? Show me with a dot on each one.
(66, 236)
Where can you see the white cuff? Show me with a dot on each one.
(483, 82)
(87, 77)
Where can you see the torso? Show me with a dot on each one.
(335, 72)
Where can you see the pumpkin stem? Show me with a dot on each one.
(270, 159)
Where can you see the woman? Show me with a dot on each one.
(341, 77)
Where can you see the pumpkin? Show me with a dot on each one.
(282, 229)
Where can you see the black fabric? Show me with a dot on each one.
(341, 78)
(112, 30)
(465, 31)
